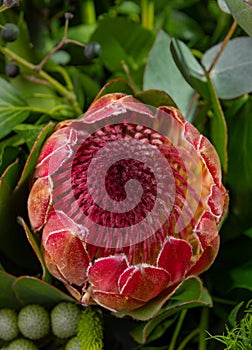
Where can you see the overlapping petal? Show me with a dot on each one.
(106, 257)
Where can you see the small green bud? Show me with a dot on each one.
(64, 318)
(8, 324)
(73, 344)
(34, 321)
(22, 344)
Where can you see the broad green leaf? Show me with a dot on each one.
(240, 143)
(13, 242)
(31, 290)
(33, 156)
(218, 126)
(29, 132)
(115, 85)
(242, 12)
(156, 98)
(187, 292)
(8, 155)
(7, 295)
(35, 246)
(179, 25)
(189, 67)
(232, 73)
(249, 233)
(242, 276)
(223, 6)
(233, 316)
(146, 331)
(162, 73)
(13, 109)
(122, 39)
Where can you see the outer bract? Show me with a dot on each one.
(128, 200)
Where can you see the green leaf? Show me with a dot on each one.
(249, 233)
(31, 290)
(115, 85)
(223, 6)
(240, 160)
(122, 39)
(156, 98)
(13, 243)
(7, 295)
(161, 72)
(13, 109)
(242, 12)
(189, 67)
(8, 155)
(188, 293)
(35, 246)
(232, 72)
(242, 276)
(233, 316)
(33, 156)
(218, 126)
(29, 132)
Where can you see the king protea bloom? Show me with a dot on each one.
(128, 200)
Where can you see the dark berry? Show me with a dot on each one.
(10, 32)
(11, 70)
(92, 50)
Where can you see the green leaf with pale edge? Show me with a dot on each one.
(155, 98)
(31, 290)
(7, 295)
(35, 246)
(242, 12)
(115, 85)
(232, 73)
(162, 73)
(187, 291)
(233, 316)
(33, 156)
(29, 133)
(188, 295)
(13, 109)
(189, 67)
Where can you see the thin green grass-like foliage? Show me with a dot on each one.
(239, 337)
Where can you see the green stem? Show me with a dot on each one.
(187, 339)
(177, 330)
(202, 328)
(223, 45)
(88, 12)
(219, 135)
(68, 95)
(147, 14)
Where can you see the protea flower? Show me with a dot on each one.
(128, 200)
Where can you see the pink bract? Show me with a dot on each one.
(128, 200)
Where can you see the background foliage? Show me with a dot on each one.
(193, 50)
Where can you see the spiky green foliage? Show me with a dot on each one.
(90, 329)
(239, 337)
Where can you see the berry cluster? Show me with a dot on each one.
(22, 330)
(10, 32)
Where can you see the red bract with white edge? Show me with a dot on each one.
(128, 200)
